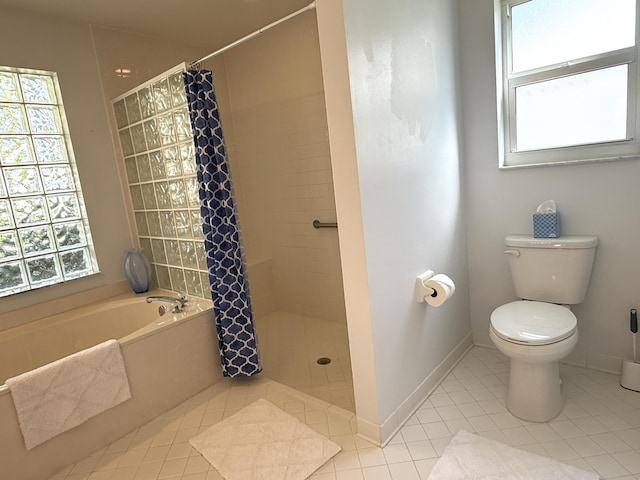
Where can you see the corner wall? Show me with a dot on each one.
(402, 62)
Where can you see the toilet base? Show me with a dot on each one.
(535, 391)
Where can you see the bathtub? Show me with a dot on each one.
(168, 359)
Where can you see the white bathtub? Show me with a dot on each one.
(168, 359)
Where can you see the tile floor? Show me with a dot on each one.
(598, 429)
(291, 344)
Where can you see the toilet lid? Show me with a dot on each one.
(533, 323)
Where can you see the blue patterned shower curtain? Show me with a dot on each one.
(229, 287)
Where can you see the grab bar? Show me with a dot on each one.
(319, 224)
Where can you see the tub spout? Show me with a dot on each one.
(177, 303)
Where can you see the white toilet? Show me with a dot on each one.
(549, 274)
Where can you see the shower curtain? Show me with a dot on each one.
(225, 261)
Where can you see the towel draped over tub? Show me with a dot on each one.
(61, 395)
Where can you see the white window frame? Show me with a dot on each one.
(507, 82)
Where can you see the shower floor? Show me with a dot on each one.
(290, 346)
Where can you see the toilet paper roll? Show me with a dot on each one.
(443, 289)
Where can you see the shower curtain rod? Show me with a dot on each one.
(311, 6)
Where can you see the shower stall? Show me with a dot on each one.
(271, 100)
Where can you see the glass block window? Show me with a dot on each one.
(44, 233)
(159, 157)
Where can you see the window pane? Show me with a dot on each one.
(37, 88)
(545, 32)
(172, 162)
(22, 180)
(57, 178)
(36, 240)
(146, 102)
(63, 207)
(126, 142)
(9, 88)
(162, 96)
(188, 156)
(121, 114)
(176, 87)
(69, 235)
(6, 218)
(133, 108)
(43, 270)
(16, 150)
(75, 263)
(157, 165)
(8, 245)
(12, 119)
(43, 119)
(50, 149)
(575, 110)
(137, 138)
(12, 278)
(166, 129)
(29, 211)
(152, 134)
(183, 125)
(132, 170)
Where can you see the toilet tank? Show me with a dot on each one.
(554, 270)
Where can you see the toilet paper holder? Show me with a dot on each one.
(421, 289)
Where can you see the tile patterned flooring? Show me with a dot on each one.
(598, 429)
(290, 345)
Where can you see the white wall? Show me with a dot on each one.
(32, 41)
(402, 65)
(145, 56)
(600, 199)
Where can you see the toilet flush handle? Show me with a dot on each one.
(514, 253)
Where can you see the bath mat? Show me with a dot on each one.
(471, 457)
(63, 394)
(261, 442)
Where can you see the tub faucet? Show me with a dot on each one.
(177, 303)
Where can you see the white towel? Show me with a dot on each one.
(61, 395)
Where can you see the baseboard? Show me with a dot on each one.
(591, 360)
(382, 434)
(597, 361)
(369, 431)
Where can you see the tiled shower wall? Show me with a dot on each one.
(155, 136)
(272, 105)
(280, 148)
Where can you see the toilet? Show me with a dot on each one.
(536, 332)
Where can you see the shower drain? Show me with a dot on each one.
(323, 361)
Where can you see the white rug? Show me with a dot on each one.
(261, 442)
(471, 457)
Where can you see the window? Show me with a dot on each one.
(569, 80)
(44, 233)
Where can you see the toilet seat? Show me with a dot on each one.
(533, 323)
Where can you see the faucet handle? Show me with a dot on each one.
(183, 297)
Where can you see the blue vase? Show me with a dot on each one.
(137, 270)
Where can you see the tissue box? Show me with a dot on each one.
(546, 225)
